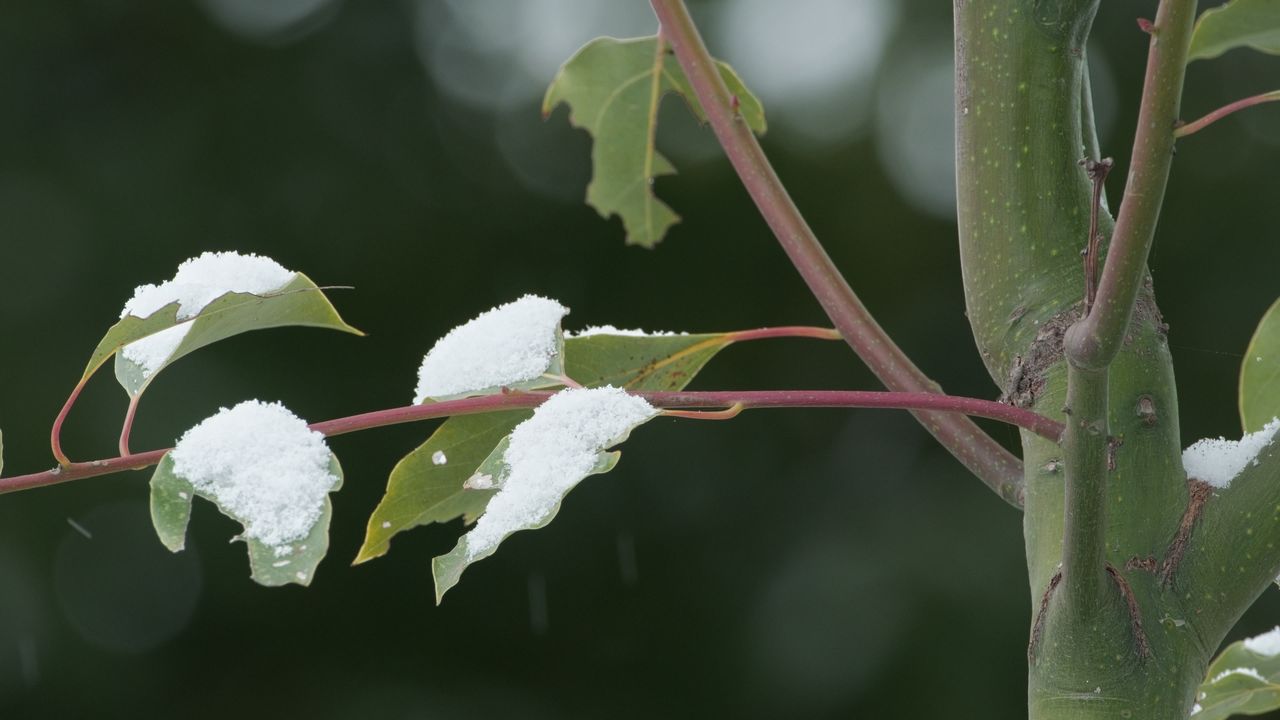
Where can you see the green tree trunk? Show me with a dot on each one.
(1122, 645)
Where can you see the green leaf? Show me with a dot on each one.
(294, 563)
(447, 569)
(300, 302)
(1260, 374)
(420, 492)
(1239, 23)
(656, 362)
(613, 89)
(1239, 693)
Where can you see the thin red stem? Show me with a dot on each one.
(512, 400)
(55, 434)
(994, 465)
(127, 427)
(1204, 122)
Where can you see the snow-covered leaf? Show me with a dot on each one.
(613, 88)
(427, 485)
(145, 345)
(515, 346)
(543, 459)
(1243, 680)
(1260, 373)
(421, 490)
(265, 469)
(1238, 23)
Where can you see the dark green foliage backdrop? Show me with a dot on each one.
(790, 563)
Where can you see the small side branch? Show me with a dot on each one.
(127, 427)
(1094, 342)
(1097, 171)
(1195, 126)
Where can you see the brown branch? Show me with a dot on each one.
(994, 465)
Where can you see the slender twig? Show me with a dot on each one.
(55, 434)
(127, 426)
(978, 451)
(1094, 341)
(1204, 122)
(517, 400)
(1097, 171)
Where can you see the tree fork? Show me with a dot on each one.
(1114, 489)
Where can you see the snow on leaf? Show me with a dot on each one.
(420, 492)
(1243, 680)
(1219, 461)
(212, 297)
(262, 466)
(513, 345)
(543, 459)
(613, 89)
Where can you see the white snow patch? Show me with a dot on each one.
(550, 453)
(509, 344)
(262, 465)
(611, 330)
(1267, 644)
(198, 282)
(1247, 672)
(1219, 461)
(439, 458)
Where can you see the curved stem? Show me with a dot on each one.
(127, 427)
(55, 434)
(994, 465)
(504, 401)
(1204, 122)
(1093, 342)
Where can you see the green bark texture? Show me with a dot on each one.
(1115, 640)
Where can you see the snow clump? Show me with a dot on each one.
(262, 465)
(198, 282)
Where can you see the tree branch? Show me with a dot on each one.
(1204, 122)
(512, 400)
(994, 465)
(1094, 341)
(1084, 446)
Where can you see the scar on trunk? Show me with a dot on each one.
(1037, 628)
(1135, 613)
(1198, 493)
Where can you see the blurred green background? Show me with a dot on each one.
(787, 564)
